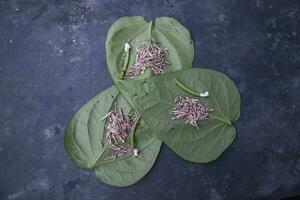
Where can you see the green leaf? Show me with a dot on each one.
(85, 142)
(135, 30)
(154, 97)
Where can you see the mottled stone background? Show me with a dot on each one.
(52, 60)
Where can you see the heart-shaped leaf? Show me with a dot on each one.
(85, 142)
(136, 30)
(154, 98)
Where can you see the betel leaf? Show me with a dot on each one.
(135, 30)
(154, 98)
(85, 142)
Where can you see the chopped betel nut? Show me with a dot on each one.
(204, 94)
(149, 56)
(190, 110)
(136, 153)
(127, 47)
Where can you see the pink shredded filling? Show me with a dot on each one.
(117, 129)
(190, 110)
(149, 56)
(119, 151)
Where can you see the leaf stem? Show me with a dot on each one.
(125, 66)
(184, 88)
(133, 130)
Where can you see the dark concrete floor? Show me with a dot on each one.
(52, 60)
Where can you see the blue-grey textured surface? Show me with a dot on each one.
(52, 60)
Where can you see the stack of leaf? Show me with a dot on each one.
(157, 98)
